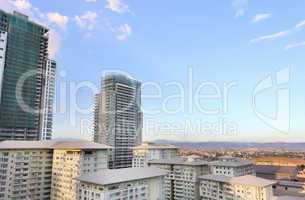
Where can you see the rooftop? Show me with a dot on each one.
(179, 161)
(242, 180)
(287, 198)
(270, 169)
(236, 163)
(150, 145)
(291, 184)
(112, 176)
(51, 144)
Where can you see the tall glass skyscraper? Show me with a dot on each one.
(23, 65)
(118, 117)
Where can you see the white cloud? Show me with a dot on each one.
(58, 19)
(35, 14)
(124, 31)
(241, 7)
(117, 6)
(86, 20)
(300, 24)
(295, 45)
(21, 4)
(54, 43)
(90, 1)
(260, 17)
(270, 37)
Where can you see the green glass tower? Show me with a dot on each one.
(23, 61)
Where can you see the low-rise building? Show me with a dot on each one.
(216, 187)
(122, 184)
(288, 173)
(181, 182)
(72, 159)
(289, 188)
(45, 169)
(151, 151)
(232, 167)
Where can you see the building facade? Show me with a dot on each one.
(46, 169)
(25, 173)
(23, 61)
(120, 118)
(48, 100)
(121, 184)
(232, 167)
(217, 187)
(150, 151)
(181, 182)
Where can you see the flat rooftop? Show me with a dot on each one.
(113, 176)
(242, 180)
(237, 163)
(271, 169)
(51, 144)
(150, 145)
(288, 198)
(179, 161)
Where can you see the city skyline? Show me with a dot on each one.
(235, 42)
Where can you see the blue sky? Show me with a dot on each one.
(225, 41)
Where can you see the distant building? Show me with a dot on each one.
(46, 169)
(288, 173)
(289, 188)
(24, 79)
(118, 184)
(217, 187)
(119, 117)
(232, 167)
(279, 161)
(287, 198)
(151, 151)
(181, 182)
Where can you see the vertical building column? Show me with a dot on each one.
(3, 41)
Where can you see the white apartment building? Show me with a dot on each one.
(151, 151)
(181, 182)
(122, 184)
(46, 169)
(25, 170)
(232, 167)
(72, 159)
(220, 187)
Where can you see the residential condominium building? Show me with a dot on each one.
(181, 182)
(220, 187)
(47, 169)
(232, 167)
(23, 66)
(150, 151)
(122, 184)
(119, 117)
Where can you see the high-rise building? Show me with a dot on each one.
(151, 151)
(97, 135)
(23, 67)
(47, 169)
(48, 100)
(119, 117)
